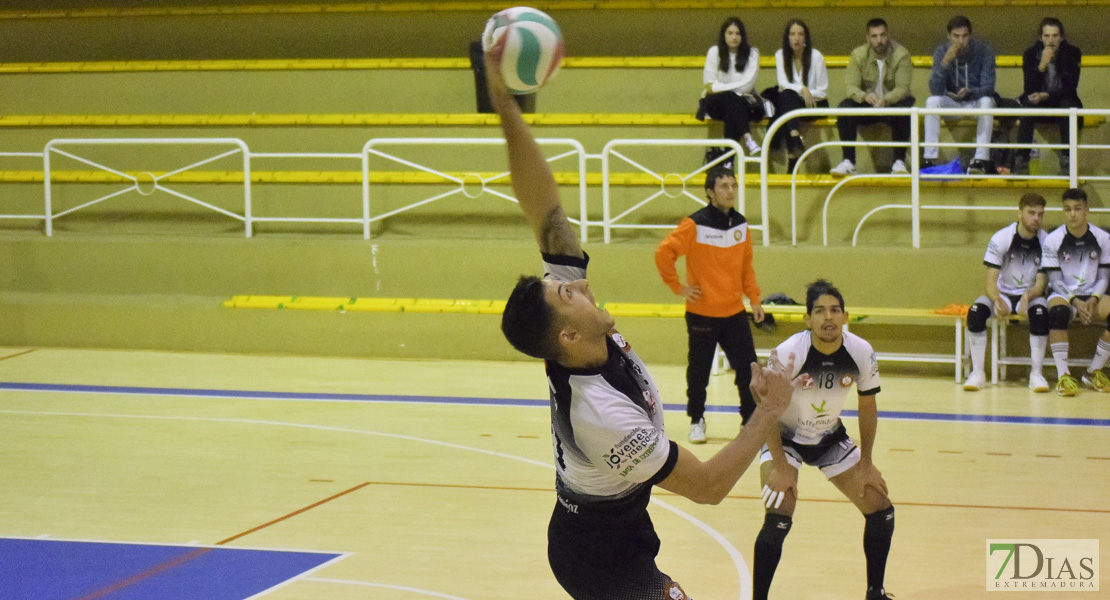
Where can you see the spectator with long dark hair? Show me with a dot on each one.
(803, 82)
(1051, 72)
(731, 67)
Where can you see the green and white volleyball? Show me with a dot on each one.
(533, 47)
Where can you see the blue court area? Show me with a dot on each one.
(36, 569)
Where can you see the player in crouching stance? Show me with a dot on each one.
(1015, 285)
(829, 361)
(1076, 258)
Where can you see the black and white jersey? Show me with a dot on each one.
(1017, 259)
(606, 424)
(814, 410)
(1077, 258)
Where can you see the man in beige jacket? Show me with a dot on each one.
(878, 76)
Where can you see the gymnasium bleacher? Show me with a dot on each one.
(151, 271)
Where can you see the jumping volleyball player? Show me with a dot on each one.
(606, 413)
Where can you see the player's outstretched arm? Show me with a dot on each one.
(710, 482)
(533, 183)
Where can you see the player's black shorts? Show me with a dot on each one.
(607, 559)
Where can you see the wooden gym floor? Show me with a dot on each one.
(432, 479)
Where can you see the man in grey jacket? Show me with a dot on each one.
(963, 76)
(878, 76)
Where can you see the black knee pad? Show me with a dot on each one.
(977, 317)
(881, 521)
(1038, 320)
(775, 528)
(1059, 317)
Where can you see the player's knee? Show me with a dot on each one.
(882, 520)
(1038, 320)
(1059, 317)
(932, 102)
(775, 528)
(977, 317)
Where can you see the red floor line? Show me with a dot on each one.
(292, 514)
(151, 572)
(742, 497)
(18, 354)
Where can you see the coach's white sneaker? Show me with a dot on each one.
(899, 168)
(697, 432)
(846, 167)
(1037, 383)
(975, 381)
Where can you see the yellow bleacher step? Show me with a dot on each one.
(379, 304)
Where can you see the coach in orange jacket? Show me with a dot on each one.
(718, 249)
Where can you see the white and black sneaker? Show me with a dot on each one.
(845, 168)
(697, 432)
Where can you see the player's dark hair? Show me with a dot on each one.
(1074, 194)
(788, 52)
(717, 173)
(959, 22)
(742, 53)
(1051, 22)
(1031, 199)
(876, 22)
(821, 288)
(528, 320)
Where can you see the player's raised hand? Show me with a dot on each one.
(773, 385)
(492, 58)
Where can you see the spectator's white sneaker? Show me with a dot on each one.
(1037, 383)
(899, 168)
(844, 168)
(697, 432)
(753, 148)
(975, 381)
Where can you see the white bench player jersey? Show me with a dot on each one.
(1078, 258)
(1017, 259)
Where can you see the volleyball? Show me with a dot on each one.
(533, 47)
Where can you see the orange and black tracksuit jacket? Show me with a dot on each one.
(718, 251)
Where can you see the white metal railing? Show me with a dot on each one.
(372, 149)
(146, 183)
(671, 184)
(914, 146)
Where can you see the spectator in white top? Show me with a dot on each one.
(731, 68)
(803, 82)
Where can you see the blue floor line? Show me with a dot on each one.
(264, 395)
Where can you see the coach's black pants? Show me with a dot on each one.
(735, 337)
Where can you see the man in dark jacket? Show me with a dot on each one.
(1051, 69)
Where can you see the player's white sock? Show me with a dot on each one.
(977, 344)
(1060, 357)
(1037, 344)
(1102, 352)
